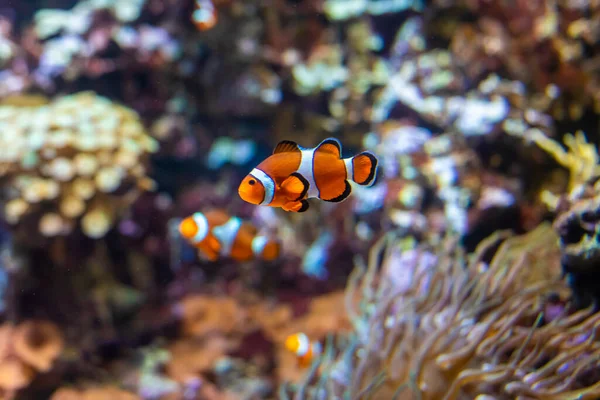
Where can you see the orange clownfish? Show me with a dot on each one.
(304, 349)
(293, 174)
(216, 234)
(204, 15)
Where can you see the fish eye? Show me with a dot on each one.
(251, 182)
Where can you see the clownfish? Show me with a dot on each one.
(204, 15)
(304, 349)
(293, 174)
(216, 234)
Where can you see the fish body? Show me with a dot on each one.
(216, 234)
(293, 174)
(305, 350)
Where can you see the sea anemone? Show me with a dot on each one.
(446, 325)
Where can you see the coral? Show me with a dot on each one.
(342, 9)
(322, 318)
(37, 343)
(576, 222)
(78, 160)
(580, 159)
(77, 42)
(429, 175)
(555, 39)
(26, 349)
(204, 315)
(443, 93)
(194, 356)
(211, 327)
(273, 320)
(578, 226)
(347, 73)
(444, 325)
(94, 393)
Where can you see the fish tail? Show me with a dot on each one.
(364, 168)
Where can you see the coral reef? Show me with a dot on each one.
(27, 349)
(119, 119)
(95, 393)
(576, 221)
(74, 163)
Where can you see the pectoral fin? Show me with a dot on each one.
(296, 206)
(295, 186)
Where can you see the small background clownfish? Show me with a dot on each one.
(293, 174)
(305, 350)
(204, 16)
(216, 234)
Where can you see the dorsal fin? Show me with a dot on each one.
(286, 146)
(330, 145)
(296, 186)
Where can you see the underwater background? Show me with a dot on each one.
(470, 269)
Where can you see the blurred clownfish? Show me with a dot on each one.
(204, 15)
(216, 234)
(305, 350)
(293, 174)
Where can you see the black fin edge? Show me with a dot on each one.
(304, 206)
(304, 181)
(332, 141)
(287, 142)
(342, 196)
(374, 163)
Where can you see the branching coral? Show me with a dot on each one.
(577, 222)
(348, 72)
(418, 164)
(79, 159)
(550, 46)
(434, 84)
(78, 41)
(581, 157)
(439, 324)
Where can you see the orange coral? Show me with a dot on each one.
(192, 357)
(203, 315)
(14, 374)
(94, 393)
(38, 343)
(322, 318)
(212, 327)
(25, 349)
(273, 320)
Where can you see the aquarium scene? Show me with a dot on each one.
(299, 200)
